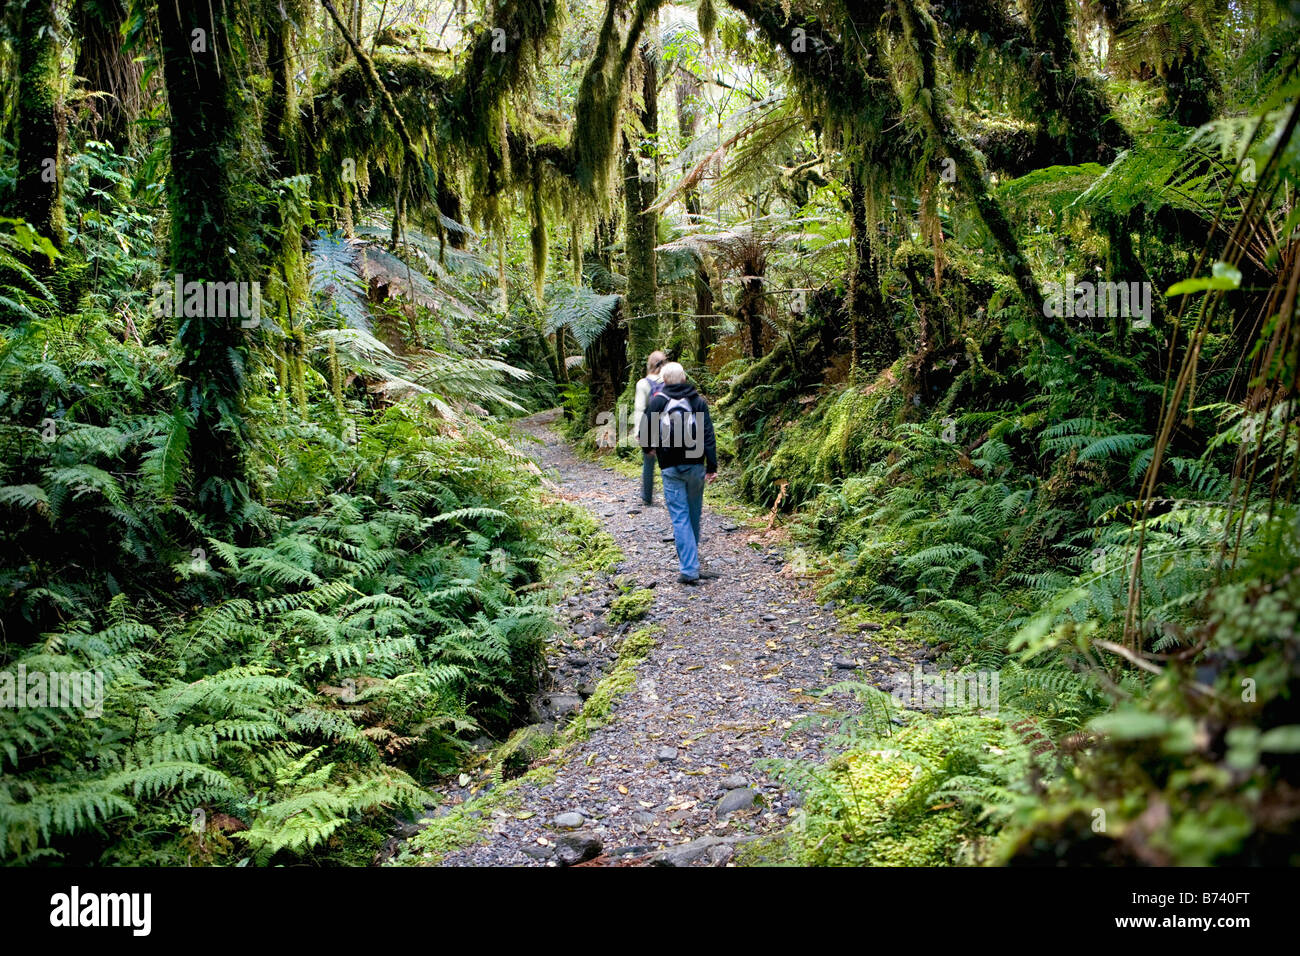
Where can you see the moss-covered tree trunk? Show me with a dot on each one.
(197, 66)
(1073, 116)
(449, 204)
(559, 366)
(280, 132)
(607, 362)
(641, 185)
(277, 122)
(39, 126)
(1123, 265)
(751, 308)
(705, 311)
(606, 357)
(688, 119)
(873, 344)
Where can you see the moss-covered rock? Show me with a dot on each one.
(631, 607)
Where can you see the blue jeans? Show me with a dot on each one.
(647, 478)
(684, 497)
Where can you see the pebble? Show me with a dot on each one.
(733, 800)
(577, 848)
(571, 820)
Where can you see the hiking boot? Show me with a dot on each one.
(683, 579)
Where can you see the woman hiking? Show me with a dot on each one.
(677, 430)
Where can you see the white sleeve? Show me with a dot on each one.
(642, 399)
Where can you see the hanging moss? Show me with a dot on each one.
(596, 130)
(597, 109)
(708, 21)
(930, 103)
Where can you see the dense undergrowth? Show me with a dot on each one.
(997, 521)
(380, 600)
(272, 688)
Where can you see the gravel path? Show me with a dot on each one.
(671, 778)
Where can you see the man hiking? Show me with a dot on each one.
(646, 389)
(677, 428)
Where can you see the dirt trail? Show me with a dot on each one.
(671, 777)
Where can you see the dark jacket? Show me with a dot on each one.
(663, 435)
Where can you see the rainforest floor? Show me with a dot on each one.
(649, 731)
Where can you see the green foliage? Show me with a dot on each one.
(382, 603)
(888, 800)
(632, 606)
(991, 496)
(581, 310)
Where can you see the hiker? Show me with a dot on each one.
(646, 389)
(677, 428)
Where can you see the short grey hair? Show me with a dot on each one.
(673, 373)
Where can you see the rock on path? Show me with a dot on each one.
(670, 780)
